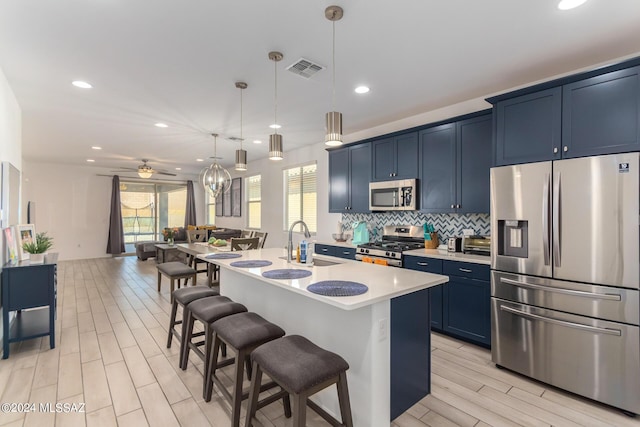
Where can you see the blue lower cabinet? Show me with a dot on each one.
(410, 351)
(466, 309)
(436, 295)
(323, 249)
(347, 253)
(429, 265)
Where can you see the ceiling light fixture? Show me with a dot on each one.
(257, 141)
(275, 140)
(275, 126)
(161, 125)
(144, 170)
(333, 119)
(362, 89)
(570, 4)
(199, 160)
(178, 169)
(90, 160)
(216, 179)
(81, 84)
(95, 147)
(241, 155)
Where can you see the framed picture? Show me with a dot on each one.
(219, 205)
(236, 197)
(226, 203)
(26, 233)
(11, 244)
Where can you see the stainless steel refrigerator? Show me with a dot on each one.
(565, 262)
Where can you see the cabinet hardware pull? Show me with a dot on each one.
(345, 252)
(324, 249)
(457, 206)
(453, 206)
(555, 150)
(566, 149)
(423, 263)
(465, 270)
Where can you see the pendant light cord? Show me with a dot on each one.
(241, 138)
(333, 99)
(275, 98)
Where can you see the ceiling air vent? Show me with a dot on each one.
(304, 68)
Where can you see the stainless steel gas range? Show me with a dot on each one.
(395, 240)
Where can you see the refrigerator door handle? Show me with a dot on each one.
(573, 325)
(612, 297)
(556, 221)
(545, 218)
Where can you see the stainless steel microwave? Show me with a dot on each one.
(393, 195)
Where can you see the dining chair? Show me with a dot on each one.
(245, 234)
(262, 236)
(194, 236)
(240, 244)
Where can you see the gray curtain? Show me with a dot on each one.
(190, 212)
(115, 244)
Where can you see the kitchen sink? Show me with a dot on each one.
(317, 262)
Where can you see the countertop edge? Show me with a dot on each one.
(449, 256)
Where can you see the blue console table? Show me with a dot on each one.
(30, 290)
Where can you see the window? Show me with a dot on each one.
(254, 201)
(300, 196)
(148, 208)
(211, 208)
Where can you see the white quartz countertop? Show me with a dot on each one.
(451, 256)
(384, 282)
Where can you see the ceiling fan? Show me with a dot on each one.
(144, 170)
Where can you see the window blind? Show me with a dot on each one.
(300, 186)
(254, 201)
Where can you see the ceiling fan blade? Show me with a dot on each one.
(165, 173)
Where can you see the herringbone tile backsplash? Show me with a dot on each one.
(446, 225)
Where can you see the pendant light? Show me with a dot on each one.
(333, 119)
(275, 140)
(216, 179)
(241, 155)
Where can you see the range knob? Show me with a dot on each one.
(393, 254)
(366, 250)
(386, 253)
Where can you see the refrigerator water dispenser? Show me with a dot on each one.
(513, 238)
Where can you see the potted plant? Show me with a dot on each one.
(169, 235)
(39, 247)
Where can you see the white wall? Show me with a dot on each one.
(272, 194)
(72, 206)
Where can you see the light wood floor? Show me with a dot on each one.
(111, 355)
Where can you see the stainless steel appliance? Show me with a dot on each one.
(477, 245)
(454, 244)
(565, 272)
(397, 195)
(395, 239)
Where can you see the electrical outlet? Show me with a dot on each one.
(382, 329)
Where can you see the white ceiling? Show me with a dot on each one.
(176, 62)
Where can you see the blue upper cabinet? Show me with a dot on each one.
(455, 159)
(474, 138)
(395, 157)
(438, 169)
(528, 128)
(349, 176)
(601, 115)
(594, 113)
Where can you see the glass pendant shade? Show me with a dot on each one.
(144, 173)
(241, 160)
(275, 147)
(333, 135)
(216, 179)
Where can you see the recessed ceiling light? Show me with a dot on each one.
(81, 84)
(162, 125)
(275, 126)
(178, 169)
(570, 4)
(257, 141)
(362, 89)
(90, 160)
(199, 160)
(96, 148)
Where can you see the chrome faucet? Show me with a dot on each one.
(307, 235)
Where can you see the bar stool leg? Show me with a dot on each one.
(213, 365)
(343, 399)
(159, 280)
(254, 392)
(172, 323)
(237, 389)
(299, 410)
(186, 337)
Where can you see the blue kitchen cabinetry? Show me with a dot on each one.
(30, 291)
(455, 159)
(461, 307)
(395, 157)
(349, 176)
(601, 115)
(337, 251)
(577, 117)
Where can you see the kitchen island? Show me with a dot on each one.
(383, 334)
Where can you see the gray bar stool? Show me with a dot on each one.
(302, 369)
(206, 310)
(243, 332)
(175, 271)
(183, 297)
